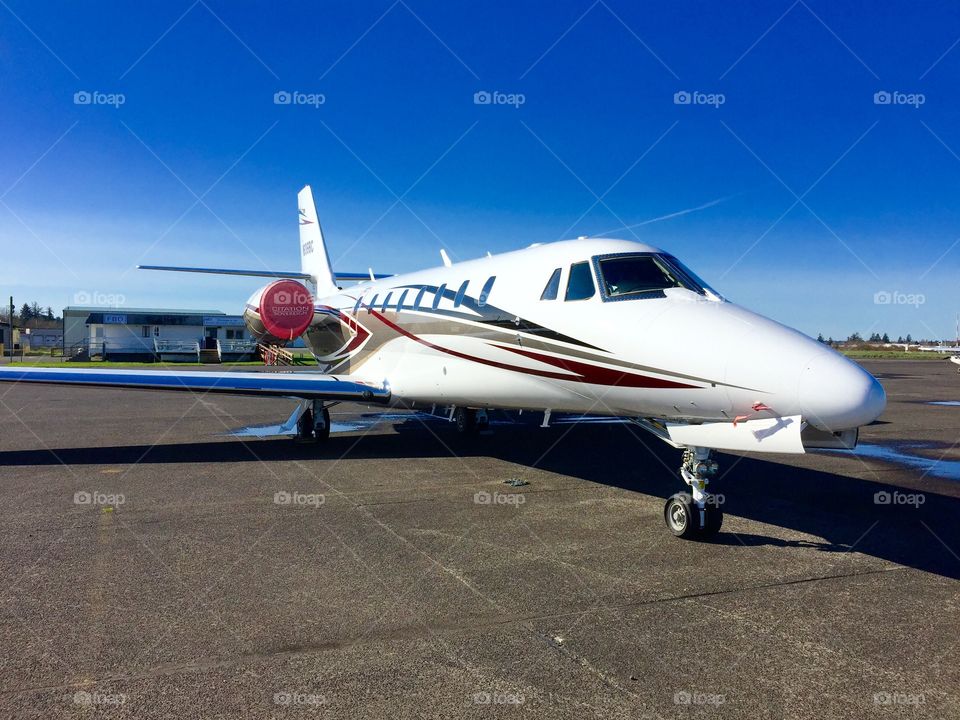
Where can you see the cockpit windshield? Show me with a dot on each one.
(637, 275)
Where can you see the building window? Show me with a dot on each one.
(156, 331)
(145, 331)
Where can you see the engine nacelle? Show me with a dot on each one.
(280, 312)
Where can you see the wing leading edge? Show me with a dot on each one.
(306, 385)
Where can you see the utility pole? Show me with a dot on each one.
(11, 328)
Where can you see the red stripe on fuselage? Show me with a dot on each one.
(585, 372)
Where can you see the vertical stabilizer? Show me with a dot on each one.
(314, 259)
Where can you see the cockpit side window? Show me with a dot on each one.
(580, 284)
(552, 287)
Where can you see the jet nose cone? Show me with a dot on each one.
(837, 394)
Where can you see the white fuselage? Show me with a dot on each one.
(678, 354)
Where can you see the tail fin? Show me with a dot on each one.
(314, 260)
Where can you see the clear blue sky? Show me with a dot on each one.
(87, 191)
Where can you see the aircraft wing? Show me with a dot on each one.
(305, 385)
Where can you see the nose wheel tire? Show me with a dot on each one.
(683, 520)
(678, 513)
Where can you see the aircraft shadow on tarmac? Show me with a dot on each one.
(839, 509)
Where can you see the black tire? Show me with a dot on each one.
(466, 421)
(681, 516)
(305, 427)
(323, 433)
(714, 521)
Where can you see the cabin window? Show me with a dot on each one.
(458, 299)
(485, 291)
(552, 287)
(386, 302)
(439, 295)
(373, 301)
(580, 285)
(403, 296)
(416, 303)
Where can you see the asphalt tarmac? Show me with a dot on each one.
(154, 564)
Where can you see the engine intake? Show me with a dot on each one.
(284, 311)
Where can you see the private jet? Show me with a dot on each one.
(589, 326)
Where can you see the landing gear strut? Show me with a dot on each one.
(313, 426)
(695, 514)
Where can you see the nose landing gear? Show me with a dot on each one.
(696, 514)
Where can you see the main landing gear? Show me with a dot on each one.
(470, 421)
(313, 425)
(695, 514)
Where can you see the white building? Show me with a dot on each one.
(152, 333)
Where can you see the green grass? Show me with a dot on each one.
(893, 355)
(134, 365)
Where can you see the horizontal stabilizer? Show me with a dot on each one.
(261, 273)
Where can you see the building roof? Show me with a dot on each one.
(80, 309)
